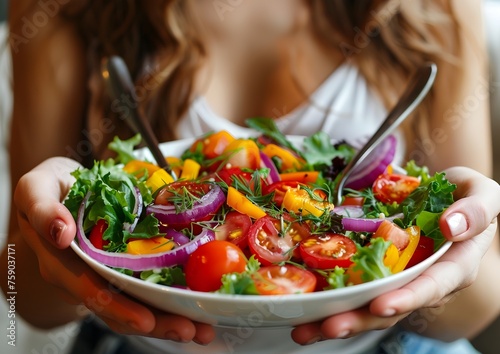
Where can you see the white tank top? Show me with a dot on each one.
(345, 108)
(342, 106)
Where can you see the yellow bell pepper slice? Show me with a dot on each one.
(299, 201)
(138, 168)
(239, 202)
(391, 257)
(159, 179)
(149, 246)
(407, 253)
(288, 159)
(190, 170)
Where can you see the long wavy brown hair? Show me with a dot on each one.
(386, 39)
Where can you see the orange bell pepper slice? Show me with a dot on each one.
(138, 168)
(407, 253)
(289, 161)
(239, 202)
(149, 246)
(302, 177)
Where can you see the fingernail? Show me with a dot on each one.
(172, 336)
(56, 230)
(344, 334)
(313, 340)
(388, 312)
(457, 224)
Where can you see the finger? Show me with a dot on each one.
(205, 333)
(307, 333)
(479, 206)
(38, 196)
(430, 289)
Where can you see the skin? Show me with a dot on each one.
(48, 119)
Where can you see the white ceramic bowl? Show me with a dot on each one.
(253, 310)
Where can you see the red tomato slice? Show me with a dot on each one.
(234, 229)
(391, 232)
(354, 201)
(279, 189)
(243, 153)
(389, 188)
(226, 175)
(96, 233)
(286, 279)
(327, 251)
(269, 245)
(172, 191)
(425, 249)
(209, 262)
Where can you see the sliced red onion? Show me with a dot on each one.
(137, 211)
(267, 162)
(176, 236)
(207, 204)
(367, 172)
(353, 220)
(177, 256)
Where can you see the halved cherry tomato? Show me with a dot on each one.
(425, 249)
(168, 194)
(173, 194)
(389, 188)
(243, 153)
(226, 175)
(272, 240)
(392, 232)
(327, 251)
(354, 201)
(279, 188)
(209, 262)
(214, 144)
(96, 233)
(234, 229)
(286, 279)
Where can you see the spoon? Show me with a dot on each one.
(418, 87)
(119, 82)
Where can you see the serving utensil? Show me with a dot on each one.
(418, 87)
(120, 85)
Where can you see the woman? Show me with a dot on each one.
(313, 65)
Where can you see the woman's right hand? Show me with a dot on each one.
(48, 228)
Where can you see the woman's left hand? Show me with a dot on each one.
(471, 223)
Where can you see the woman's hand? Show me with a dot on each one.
(48, 228)
(471, 223)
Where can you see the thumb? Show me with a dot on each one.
(38, 196)
(478, 207)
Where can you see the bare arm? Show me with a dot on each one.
(49, 100)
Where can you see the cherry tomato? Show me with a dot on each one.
(389, 188)
(286, 279)
(214, 144)
(279, 189)
(234, 229)
(392, 232)
(424, 250)
(243, 153)
(209, 262)
(270, 243)
(226, 175)
(354, 201)
(327, 251)
(174, 193)
(96, 233)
